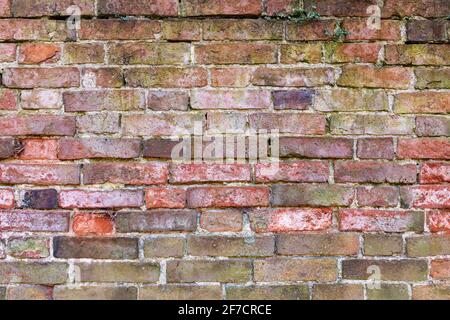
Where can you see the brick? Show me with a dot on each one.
(225, 122)
(283, 269)
(227, 220)
(160, 148)
(8, 99)
(76, 53)
(375, 196)
(39, 199)
(39, 149)
(292, 99)
(40, 99)
(235, 53)
(383, 245)
(226, 99)
(28, 78)
(296, 53)
(423, 8)
(233, 29)
(44, 125)
(322, 195)
(34, 30)
(35, 53)
(23, 8)
(100, 199)
(112, 29)
(160, 124)
(428, 78)
(418, 54)
(310, 30)
(287, 220)
(426, 31)
(92, 225)
(338, 292)
(208, 197)
(376, 148)
(316, 147)
(8, 148)
(165, 197)
(434, 172)
(221, 7)
(7, 199)
(162, 8)
(440, 269)
(428, 245)
(359, 76)
(167, 100)
(125, 173)
(422, 102)
(30, 292)
(5, 8)
(388, 292)
(350, 100)
(318, 244)
(295, 123)
(149, 53)
(101, 77)
(98, 123)
(352, 52)
(438, 221)
(91, 148)
(236, 77)
(423, 148)
(164, 247)
(29, 248)
(193, 173)
(48, 273)
(118, 272)
(182, 30)
(181, 292)
(228, 271)
(122, 100)
(7, 52)
(359, 30)
(374, 172)
(2, 293)
(95, 293)
(299, 171)
(224, 246)
(371, 220)
(428, 197)
(166, 77)
(371, 124)
(265, 292)
(92, 248)
(340, 8)
(157, 221)
(432, 126)
(431, 292)
(390, 270)
(276, 7)
(292, 77)
(34, 221)
(39, 174)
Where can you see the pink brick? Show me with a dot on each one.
(296, 123)
(71, 149)
(8, 99)
(438, 220)
(39, 149)
(38, 221)
(7, 52)
(426, 197)
(440, 269)
(100, 199)
(231, 99)
(186, 173)
(28, 78)
(375, 196)
(423, 148)
(138, 7)
(299, 171)
(165, 197)
(221, 7)
(231, 77)
(434, 172)
(39, 174)
(6, 198)
(5, 8)
(208, 197)
(48, 125)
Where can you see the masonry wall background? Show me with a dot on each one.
(93, 207)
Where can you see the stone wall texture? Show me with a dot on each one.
(93, 206)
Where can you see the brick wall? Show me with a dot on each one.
(92, 205)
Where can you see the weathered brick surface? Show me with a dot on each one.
(354, 173)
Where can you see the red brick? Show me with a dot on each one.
(231, 77)
(288, 220)
(227, 99)
(277, 7)
(35, 53)
(38, 125)
(110, 29)
(340, 8)
(39, 174)
(295, 123)
(301, 52)
(208, 197)
(235, 53)
(311, 30)
(165, 197)
(374, 172)
(423, 148)
(24, 8)
(438, 221)
(34, 221)
(352, 52)
(100, 199)
(28, 78)
(426, 197)
(91, 148)
(359, 30)
(33, 30)
(101, 77)
(39, 149)
(166, 77)
(440, 269)
(130, 53)
(120, 100)
(125, 173)
(422, 102)
(161, 124)
(426, 31)
(293, 77)
(377, 196)
(234, 29)
(163, 100)
(221, 7)
(221, 220)
(8, 148)
(423, 8)
(292, 99)
(92, 225)
(182, 30)
(193, 173)
(8, 99)
(434, 172)
(369, 220)
(162, 8)
(316, 147)
(5, 8)
(359, 76)
(299, 171)
(6, 198)
(7, 52)
(376, 148)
